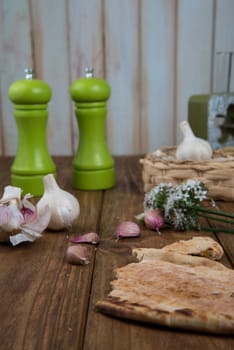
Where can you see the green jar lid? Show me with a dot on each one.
(89, 88)
(29, 90)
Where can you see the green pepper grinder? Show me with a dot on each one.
(93, 166)
(32, 161)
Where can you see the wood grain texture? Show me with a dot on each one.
(194, 54)
(51, 63)
(104, 332)
(86, 45)
(46, 299)
(225, 239)
(122, 65)
(154, 54)
(49, 304)
(224, 41)
(158, 64)
(16, 55)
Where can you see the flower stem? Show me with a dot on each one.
(216, 212)
(216, 218)
(216, 229)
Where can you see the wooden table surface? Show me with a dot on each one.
(47, 304)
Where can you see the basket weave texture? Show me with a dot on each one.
(217, 174)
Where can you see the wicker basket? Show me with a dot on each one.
(217, 174)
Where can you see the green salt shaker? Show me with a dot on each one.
(32, 161)
(93, 166)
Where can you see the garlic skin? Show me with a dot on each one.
(192, 148)
(64, 207)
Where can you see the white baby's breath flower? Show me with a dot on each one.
(181, 206)
(178, 219)
(178, 202)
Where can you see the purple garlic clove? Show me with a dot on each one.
(77, 255)
(91, 237)
(154, 220)
(127, 229)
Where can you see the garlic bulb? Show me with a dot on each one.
(63, 205)
(19, 218)
(192, 147)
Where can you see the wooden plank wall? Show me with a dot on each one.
(154, 54)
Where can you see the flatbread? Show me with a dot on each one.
(200, 246)
(175, 290)
(203, 246)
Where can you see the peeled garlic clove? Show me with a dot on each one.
(127, 229)
(64, 207)
(192, 148)
(153, 219)
(77, 255)
(91, 237)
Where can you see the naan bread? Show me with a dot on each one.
(175, 290)
(202, 246)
